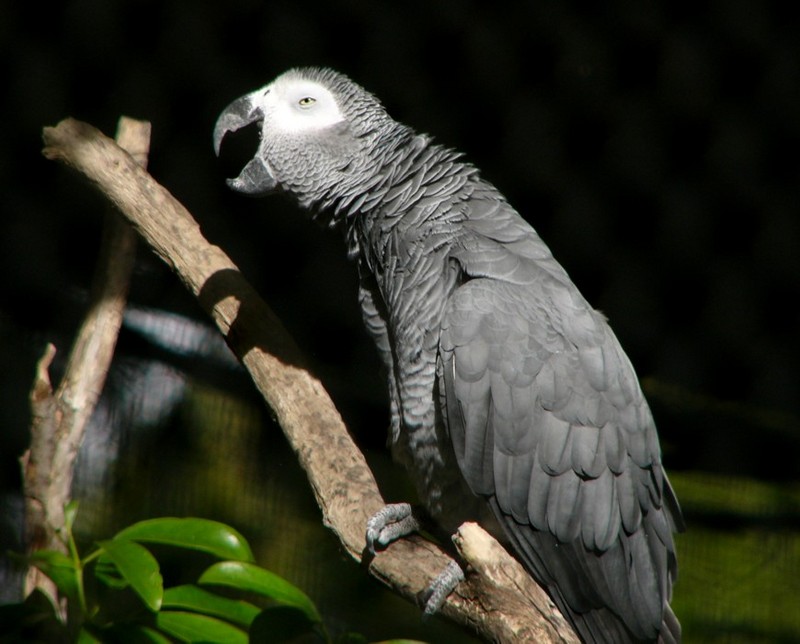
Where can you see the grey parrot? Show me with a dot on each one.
(512, 402)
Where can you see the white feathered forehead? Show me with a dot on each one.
(351, 97)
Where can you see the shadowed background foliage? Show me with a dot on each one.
(652, 144)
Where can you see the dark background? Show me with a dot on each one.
(652, 144)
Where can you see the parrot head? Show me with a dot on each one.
(318, 135)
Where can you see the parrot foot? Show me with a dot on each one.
(388, 524)
(397, 520)
(433, 597)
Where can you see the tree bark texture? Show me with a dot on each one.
(498, 599)
(59, 417)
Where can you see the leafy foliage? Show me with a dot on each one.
(117, 592)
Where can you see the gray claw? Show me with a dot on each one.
(389, 524)
(441, 587)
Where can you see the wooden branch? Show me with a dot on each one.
(504, 587)
(342, 483)
(59, 418)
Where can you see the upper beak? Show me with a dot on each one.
(255, 178)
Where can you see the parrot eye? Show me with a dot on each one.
(306, 101)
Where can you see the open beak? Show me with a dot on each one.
(255, 178)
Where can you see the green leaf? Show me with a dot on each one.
(250, 578)
(139, 568)
(59, 567)
(191, 627)
(87, 637)
(107, 572)
(146, 634)
(127, 633)
(280, 624)
(198, 600)
(204, 535)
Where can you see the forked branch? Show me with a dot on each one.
(498, 600)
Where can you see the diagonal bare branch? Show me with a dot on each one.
(499, 600)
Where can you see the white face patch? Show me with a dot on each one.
(296, 105)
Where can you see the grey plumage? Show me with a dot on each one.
(512, 401)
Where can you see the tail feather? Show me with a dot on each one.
(553, 565)
(670, 628)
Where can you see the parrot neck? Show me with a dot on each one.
(406, 185)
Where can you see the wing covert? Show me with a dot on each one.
(549, 423)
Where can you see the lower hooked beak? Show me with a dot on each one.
(255, 178)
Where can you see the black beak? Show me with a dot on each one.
(256, 178)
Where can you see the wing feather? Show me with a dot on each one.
(538, 494)
(553, 429)
(513, 480)
(562, 518)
